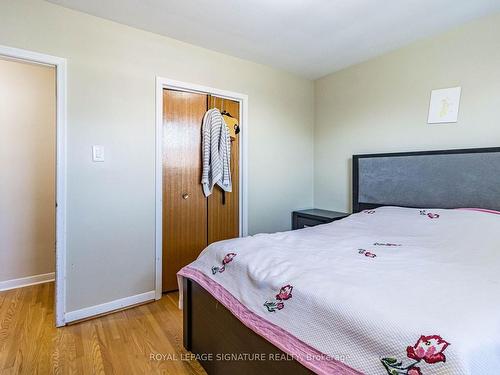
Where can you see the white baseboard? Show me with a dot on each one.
(121, 303)
(26, 281)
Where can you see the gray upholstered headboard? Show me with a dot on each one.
(429, 179)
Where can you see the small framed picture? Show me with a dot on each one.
(444, 105)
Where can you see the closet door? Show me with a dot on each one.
(184, 205)
(223, 218)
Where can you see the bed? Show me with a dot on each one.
(408, 284)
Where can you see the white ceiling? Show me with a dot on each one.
(308, 37)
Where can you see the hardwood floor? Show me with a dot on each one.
(119, 343)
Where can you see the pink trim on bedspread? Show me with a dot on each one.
(481, 210)
(309, 357)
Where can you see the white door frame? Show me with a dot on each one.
(60, 65)
(165, 83)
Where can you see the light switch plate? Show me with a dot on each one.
(97, 153)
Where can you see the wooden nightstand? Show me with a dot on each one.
(310, 218)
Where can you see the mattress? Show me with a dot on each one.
(385, 291)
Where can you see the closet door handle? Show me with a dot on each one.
(185, 196)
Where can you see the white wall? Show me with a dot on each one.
(27, 169)
(382, 105)
(111, 83)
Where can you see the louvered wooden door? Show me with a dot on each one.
(190, 220)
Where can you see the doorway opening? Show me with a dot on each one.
(32, 174)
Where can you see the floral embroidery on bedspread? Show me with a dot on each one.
(284, 294)
(428, 348)
(430, 215)
(367, 253)
(370, 254)
(227, 259)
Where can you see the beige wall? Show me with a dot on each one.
(111, 88)
(382, 105)
(377, 106)
(27, 169)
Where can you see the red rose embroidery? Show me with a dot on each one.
(428, 348)
(430, 215)
(414, 371)
(285, 293)
(228, 258)
(367, 253)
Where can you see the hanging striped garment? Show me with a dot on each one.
(216, 153)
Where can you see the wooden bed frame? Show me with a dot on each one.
(211, 329)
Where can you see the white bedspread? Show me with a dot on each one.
(392, 289)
